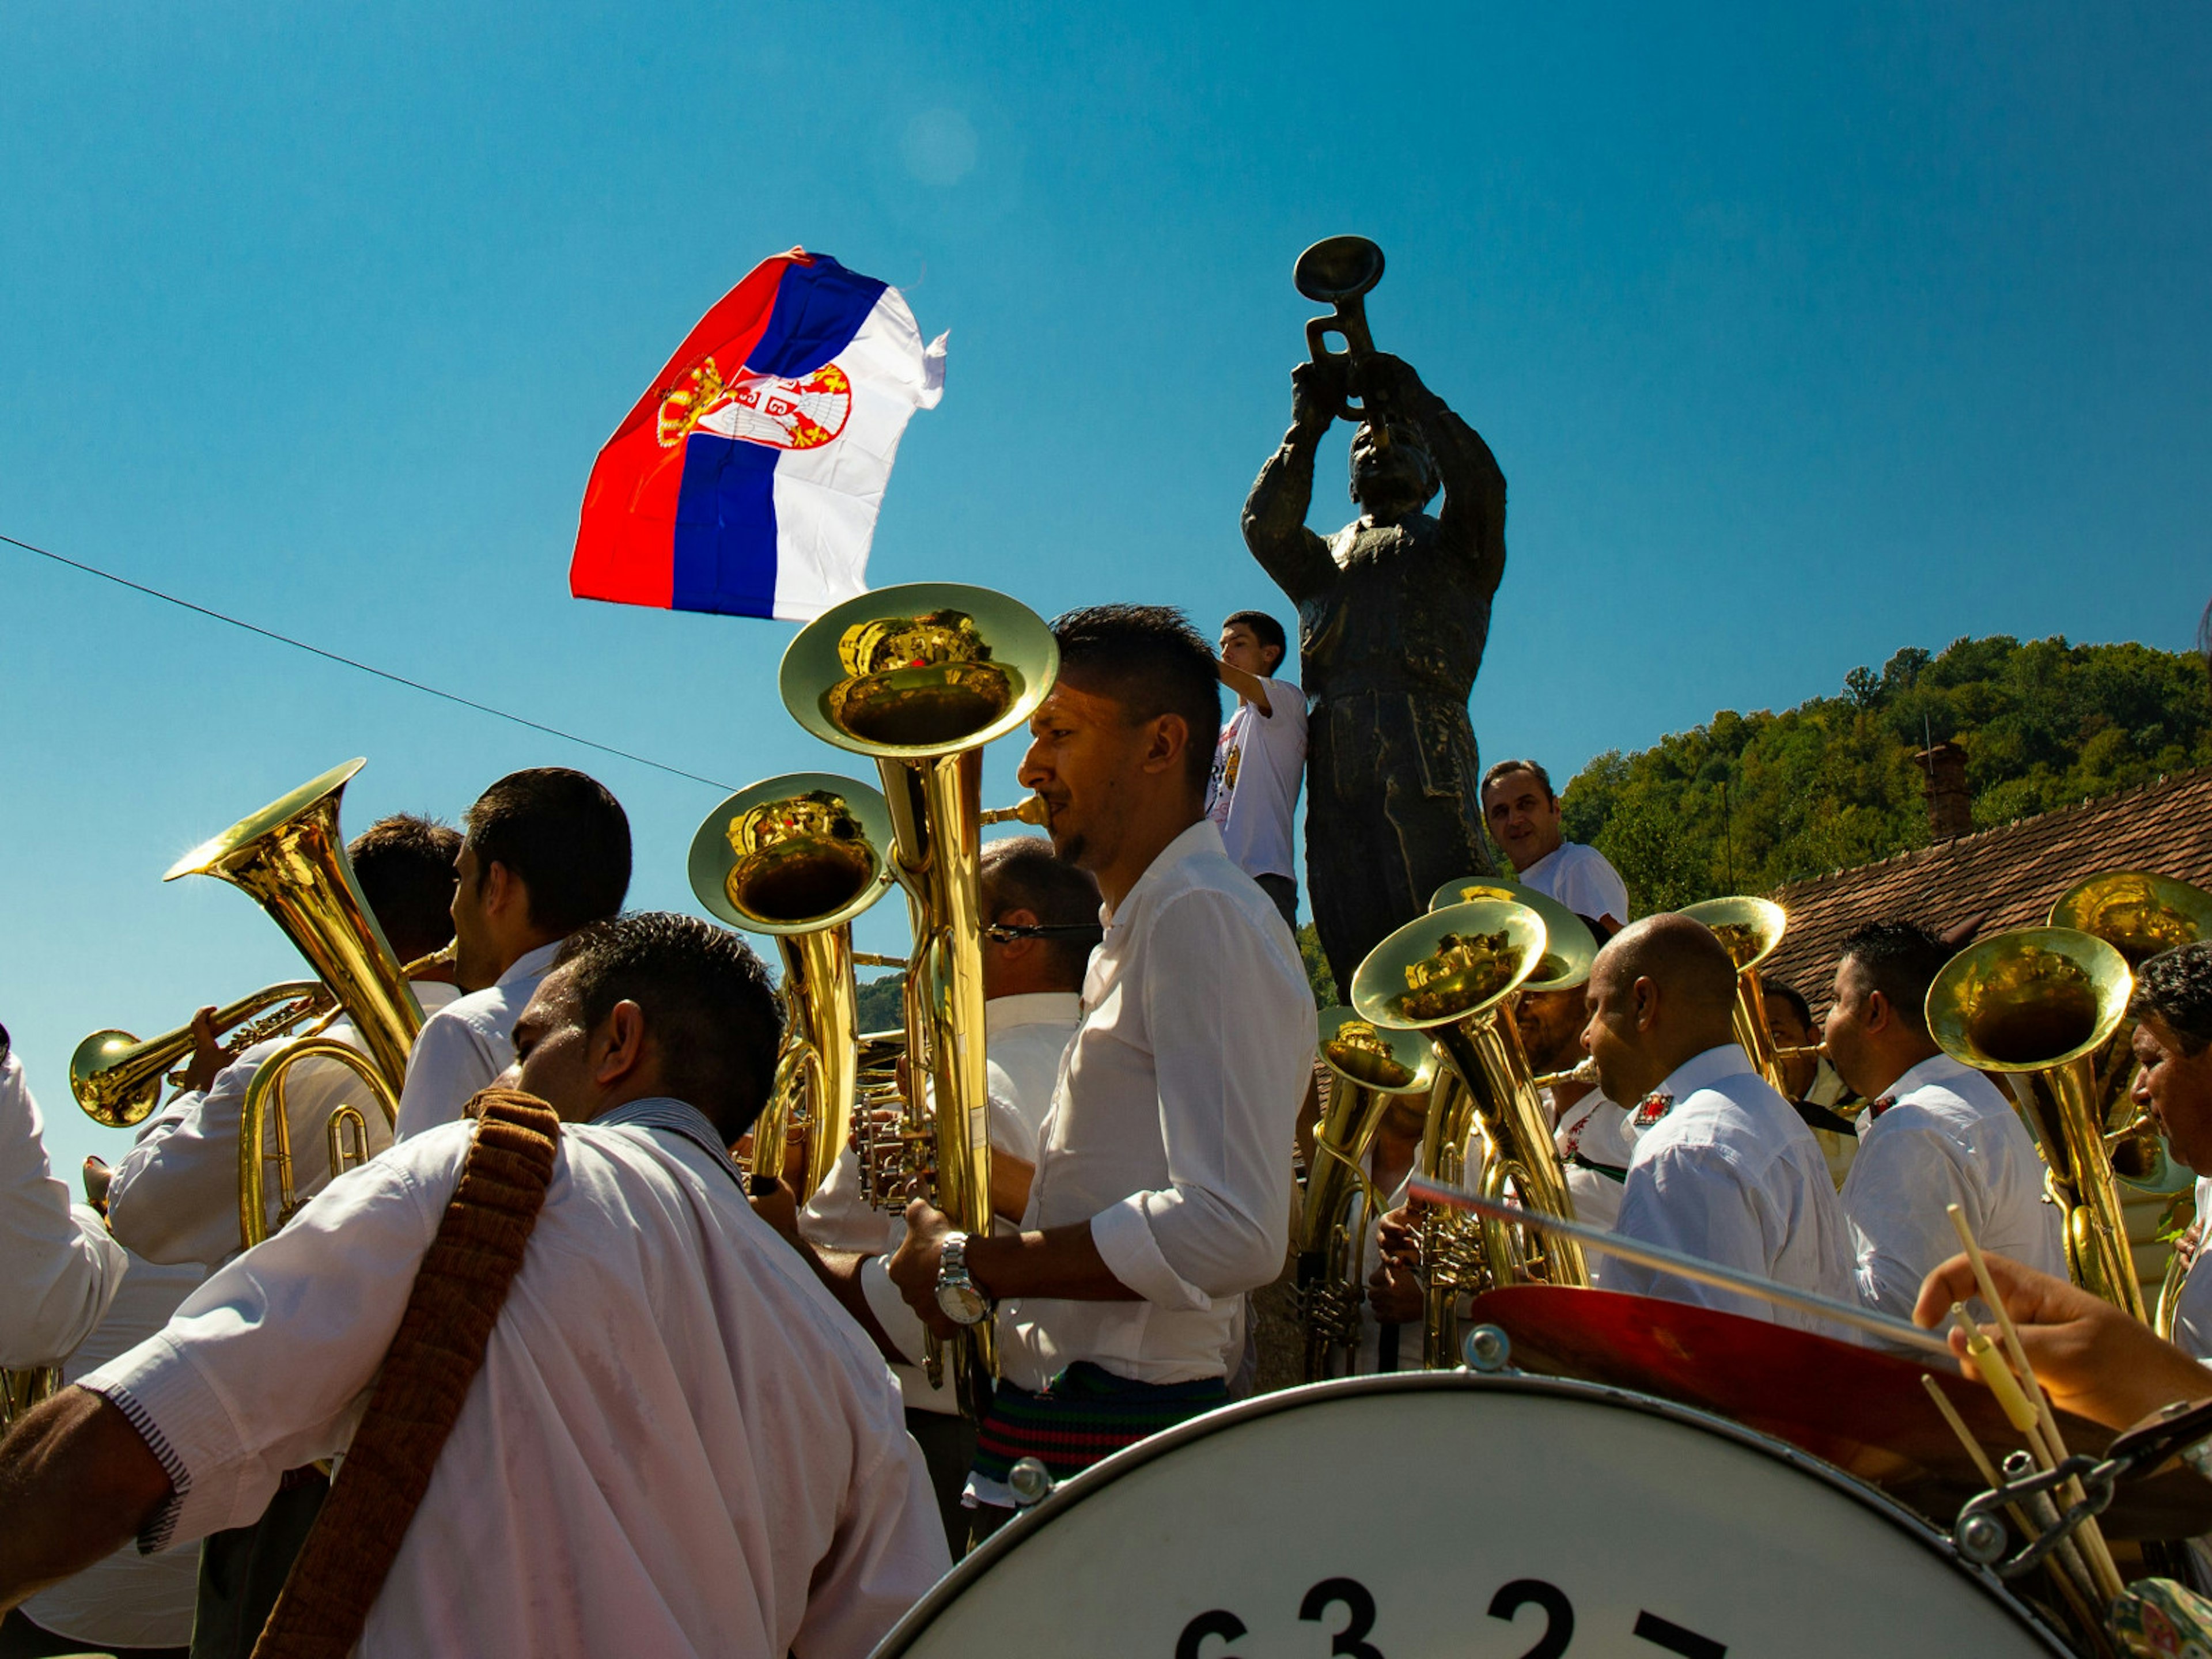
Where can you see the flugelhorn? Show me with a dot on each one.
(1369, 1069)
(1749, 929)
(919, 677)
(117, 1079)
(1450, 975)
(1338, 272)
(2036, 1006)
(798, 857)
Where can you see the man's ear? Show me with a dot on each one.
(504, 893)
(618, 1047)
(1013, 949)
(1874, 1011)
(1644, 999)
(1166, 739)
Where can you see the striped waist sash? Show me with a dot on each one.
(1086, 1415)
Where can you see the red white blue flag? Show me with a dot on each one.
(748, 477)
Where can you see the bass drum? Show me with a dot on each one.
(1447, 1513)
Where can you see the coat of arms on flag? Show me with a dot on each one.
(748, 477)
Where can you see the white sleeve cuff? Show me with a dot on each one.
(183, 1425)
(900, 1321)
(1124, 1237)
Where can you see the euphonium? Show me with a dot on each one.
(2036, 1006)
(1369, 1070)
(1451, 974)
(1749, 929)
(919, 677)
(798, 857)
(291, 859)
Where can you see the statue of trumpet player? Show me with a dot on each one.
(1394, 612)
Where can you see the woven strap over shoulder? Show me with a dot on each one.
(438, 1350)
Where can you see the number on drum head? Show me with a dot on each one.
(1355, 1599)
(1220, 1622)
(1663, 1633)
(1558, 1614)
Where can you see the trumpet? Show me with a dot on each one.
(919, 677)
(1451, 975)
(2036, 1006)
(117, 1079)
(1369, 1070)
(1338, 272)
(798, 857)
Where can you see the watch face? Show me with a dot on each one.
(963, 1304)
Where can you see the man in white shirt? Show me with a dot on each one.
(1935, 1134)
(61, 1269)
(1723, 1170)
(678, 1443)
(1260, 759)
(546, 851)
(1042, 921)
(1523, 818)
(2173, 1010)
(1162, 1186)
(175, 1197)
(1592, 1134)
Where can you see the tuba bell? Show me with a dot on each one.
(2036, 1006)
(797, 858)
(1749, 929)
(1451, 975)
(1369, 1069)
(920, 678)
(291, 859)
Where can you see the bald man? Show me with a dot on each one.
(1724, 1169)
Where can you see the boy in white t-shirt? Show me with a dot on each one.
(1260, 761)
(1523, 817)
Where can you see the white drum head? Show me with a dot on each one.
(1446, 1513)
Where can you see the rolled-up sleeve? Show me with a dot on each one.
(264, 1367)
(1231, 1040)
(61, 1267)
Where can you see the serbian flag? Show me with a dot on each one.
(748, 477)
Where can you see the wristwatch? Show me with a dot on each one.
(964, 1303)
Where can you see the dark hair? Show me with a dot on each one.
(405, 864)
(1266, 630)
(1901, 959)
(1790, 994)
(712, 1015)
(564, 834)
(1506, 768)
(1151, 661)
(1022, 872)
(2176, 986)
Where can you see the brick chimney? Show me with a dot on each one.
(1950, 805)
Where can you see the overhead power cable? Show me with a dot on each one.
(363, 667)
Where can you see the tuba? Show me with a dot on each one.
(1452, 975)
(2037, 1005)
(1749, 929)
(797, 858)
(920, 678)
(290, 858)
(1369, 1070)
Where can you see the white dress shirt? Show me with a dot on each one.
(1731, 1175)
(467, 1043)
(1601, 1132)
(59, 1267)
(127, 1600)
(175, 1197)
(1951, 1138)
(1171, 1129)
(679, 1442)
(1027, 1037)
(1582, 879)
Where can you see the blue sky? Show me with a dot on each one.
(1801, 334)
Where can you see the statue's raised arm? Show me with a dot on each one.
(1275, 512)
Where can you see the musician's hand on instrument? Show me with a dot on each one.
(1394, 1292)
(1316, 394)
(913, 1265)
(1382, 379)
(1398, 1236)
(2091, 1358)
(207, 1057)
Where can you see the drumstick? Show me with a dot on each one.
(1688, 1267)
(2049, 1446)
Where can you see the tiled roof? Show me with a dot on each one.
(2007, 877)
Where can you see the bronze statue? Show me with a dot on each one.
(1394, 612)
